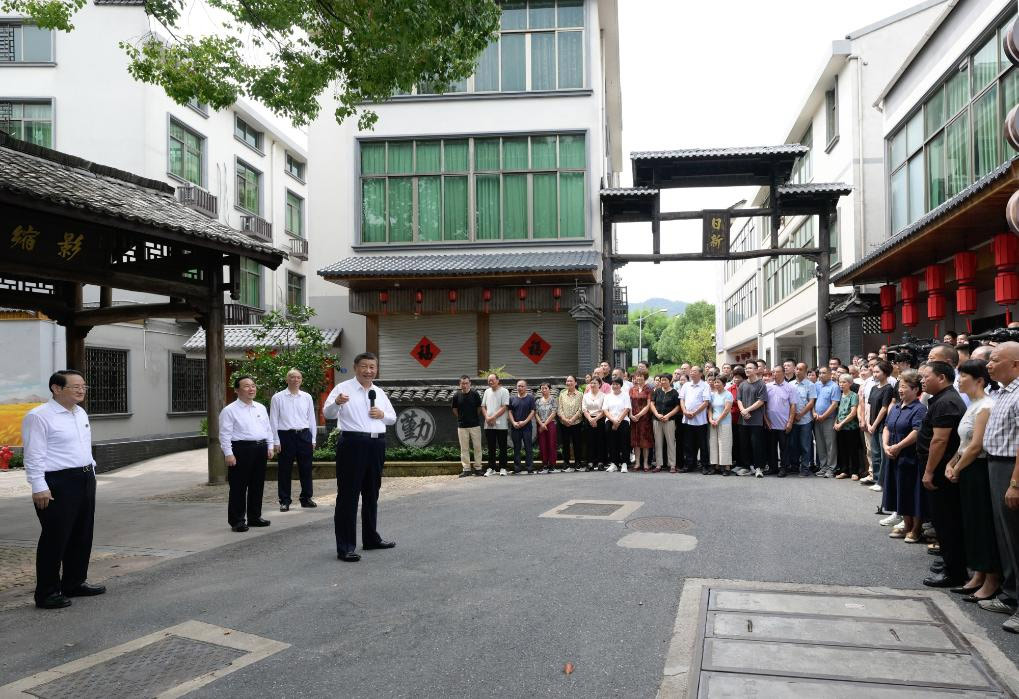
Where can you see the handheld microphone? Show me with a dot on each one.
(371, 398)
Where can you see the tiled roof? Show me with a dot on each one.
(435, 393)
(38, 173)
(629, 192)
(815, 188)
(239, 337)
(930, 217)
(698, 153)
(468, 263)
(119, 2)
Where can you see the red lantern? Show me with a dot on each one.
(910, 291)
(888, 310)
(419, 297)
(522, 295)
(452, 300)
(1006, 281)
(1006, 250)
(486, 296)
(910, 315)
(887, 322)
(966, 293)
(556, 294)
(934, 277)
(384, 299)
(888, 297)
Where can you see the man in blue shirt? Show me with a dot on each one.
(800, 439)
(825, 407)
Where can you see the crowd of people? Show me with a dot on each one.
(937, 436)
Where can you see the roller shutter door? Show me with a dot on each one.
(454, 335)
(509, 331)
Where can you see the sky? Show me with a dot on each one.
(711, 74)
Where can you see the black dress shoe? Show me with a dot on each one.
(240, 527)
(963, 590)
(938, 567)
(782, 473)
(285, 508)
(309, 503)
(54, 601)
(85, 590)
(349, 557)
(380, 545)
(941, 580)
(259, 522)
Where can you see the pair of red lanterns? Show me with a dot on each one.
(486, 297)
(1006, 287)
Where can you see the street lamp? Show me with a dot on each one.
(640, 331)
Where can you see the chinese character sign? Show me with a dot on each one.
(425, 352)
(535, 348)
(716, 234)
(26, 240)
(415, 427)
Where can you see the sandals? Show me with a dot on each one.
(841, 476)
(910, 539)
(672, 470)
(897, 534)
(856, 477)
(656, 469)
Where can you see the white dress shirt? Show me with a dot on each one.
(241, 422)
(55, 439)
(694, 395)
(352, 416)
(292, 411)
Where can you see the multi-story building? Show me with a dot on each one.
(949, 260)
(467, 225)
(769, 307)
(72, 92)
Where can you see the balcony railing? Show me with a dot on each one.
(257, 227)
(239, 314)
(198, 199)
(299, 248)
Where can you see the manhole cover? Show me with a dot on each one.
(591, 509)
(659, 524)
(145, 672)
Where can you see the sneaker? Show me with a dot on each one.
(490, 472)
(502, 472)
(611, 468)
(556, 470)
(782, 472)
(866, 480)
(587, 469)
(1011, 624)
(891, 520)
(806, 474)
(742, 471)
(568, 470)
(876, 488)
(478, 472)
(901, 526)
(758, 473)
(996, 605)
(464, 474)
(622, 469)
(542, 472)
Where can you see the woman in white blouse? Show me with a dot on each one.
(593, 435)
(616, 406)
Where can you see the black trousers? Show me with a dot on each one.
(752, 446)
(737, 446)
(295, 445)
(247, 481)
(617, 443)
(680, 441)
(594, 442)
(523, 445)
(496, 439)
(569, 441)
(66, 538)
(696, 439)
(946, 504)
(359, 462)
(778, 449)
(847, 446)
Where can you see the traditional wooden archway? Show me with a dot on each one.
(66, 222)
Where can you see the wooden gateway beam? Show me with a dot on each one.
(698, 257)
(141, 311)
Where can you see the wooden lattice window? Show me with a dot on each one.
(106, 374)
(187, 384)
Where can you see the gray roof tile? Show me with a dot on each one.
(710, 153)
(240, 337)
(629, 192)
(815, 188)
(39, 173)
(468, 263)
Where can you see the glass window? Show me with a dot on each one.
(486, 154)
(514, 14)
(454, 210)
(915, 176)
(831, 103)
(571, 205)
(295, 215)
(295, 289)
(543, 61)
(900, 204)
(513, 73)
(187, 384)
(373, 158)
(571, 13)
(514, 209)
(185, 153)
(957, 172)
(985, 65)
(486, 75)
(803, 168)
(514, 154)
(571, 60)
(429, 208)
(914, 133)
(251, 283)
(247, 133)
(898, 148)
(487, 197)
(545, 204)
(401, 157)
(541, 14)
(543, 151)
(986, 132)
(936, 172)
(28, 121)
(248, 195)
(956, 93)
(454, 156)
(295, 167)
(29, 44)
(373, 210)
(401, 209)
(106, 375)
(935, 111)
(571, 151)
(428, 156)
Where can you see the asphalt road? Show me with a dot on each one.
(481, 597)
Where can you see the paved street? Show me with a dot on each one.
(482, 596)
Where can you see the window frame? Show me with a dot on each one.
(198, 107)
(831, 113)
(258, 188)
(18, 24)
(170, 412)
(741, 305)
(286, 214)
(204, 142)
(243, 272)
(239, 122)
(301, 169)
(127, 412)
(49, 101)
(303, 287)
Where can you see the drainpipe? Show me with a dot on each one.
(859, 186)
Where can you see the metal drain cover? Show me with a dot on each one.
(659, 524)
(591, 509)
(148, 671)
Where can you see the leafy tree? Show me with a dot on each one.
(628, 336)
(287, 341)
(363, 51)
(689, 337)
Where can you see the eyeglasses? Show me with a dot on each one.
(76, 388)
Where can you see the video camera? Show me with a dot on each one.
(911, 349)
(998, 335)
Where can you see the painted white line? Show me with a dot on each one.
(658, 541)
(625, 509)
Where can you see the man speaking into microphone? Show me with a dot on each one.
(362, 411)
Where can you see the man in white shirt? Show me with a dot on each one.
(362, 412)
(494, 406)
(694, 401)
(292, 418)
(59, 466)
(247, 440)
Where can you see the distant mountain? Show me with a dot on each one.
(675, 307)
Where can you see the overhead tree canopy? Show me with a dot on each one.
(364, 50)
(689, 337)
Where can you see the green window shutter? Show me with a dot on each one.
(544, 202)
(514, 209)
(429, 208)
(571, 205)
(373, 215)
(454, 210)
(487, 197)
(401, 209)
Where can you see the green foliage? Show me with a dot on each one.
(286, 341)
(433, 453)
(689, 337)
(18, 460)
(498, 371)
(286, 53)
(203, 427)
(628, 336)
